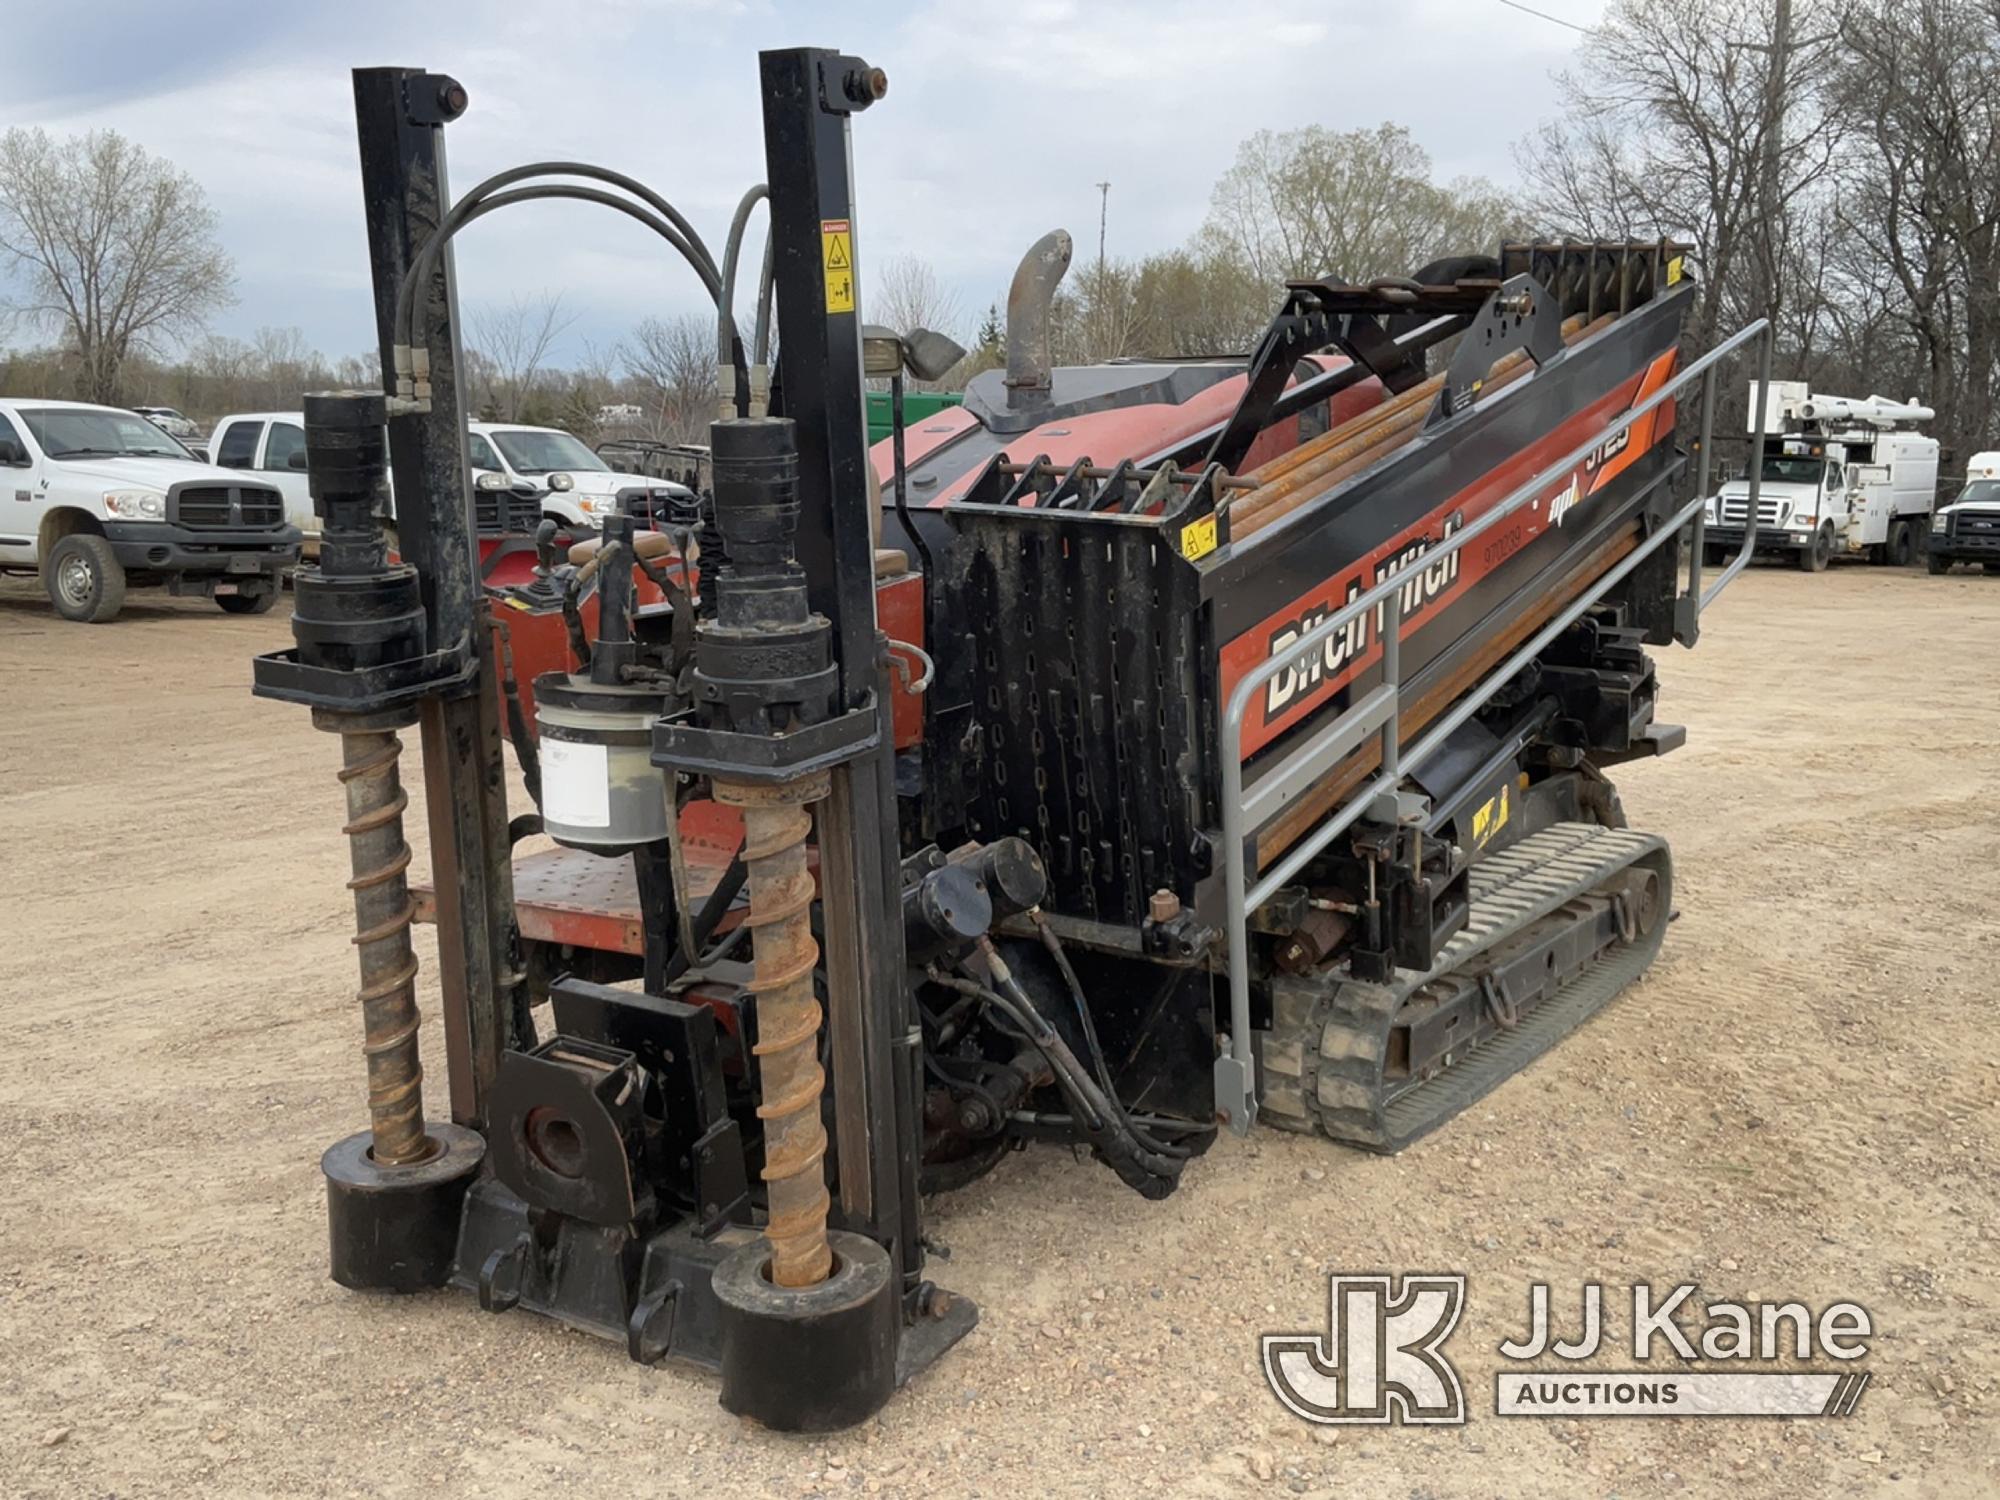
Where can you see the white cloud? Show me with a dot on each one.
(1002, 116)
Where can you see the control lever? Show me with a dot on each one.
(545, 546)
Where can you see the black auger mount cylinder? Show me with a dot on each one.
(394, 1191)
(811, 1317)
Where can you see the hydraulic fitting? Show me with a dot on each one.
(358, 619)
(356, 609)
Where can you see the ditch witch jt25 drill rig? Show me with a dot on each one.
(1238, 754)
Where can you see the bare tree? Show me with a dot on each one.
(517, 339)
(587, 390)
(909, 295)
(1356, 203)
(1202, 302)
(1678, 114)
(673, 362)
(1099, 315)
(1924, 202)
(283, 367)
(360, 372)
(115, 248)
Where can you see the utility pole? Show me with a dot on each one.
(1771, 158)
(1103, 210)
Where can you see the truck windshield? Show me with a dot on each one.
(90, 432)
(532, 452)
(1980, 492)
(1792, 470)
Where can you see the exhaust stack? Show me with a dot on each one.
(1028, 298)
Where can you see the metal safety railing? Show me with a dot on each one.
(1377, 712)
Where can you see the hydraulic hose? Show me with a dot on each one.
(711, 913)
(760, 349)
(423, 267)
(1056, 951)
(1149, 1173)
(685, 238)
(726, 337)
(732, 249)
(525, 750)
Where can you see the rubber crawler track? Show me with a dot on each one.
(1323, 1061)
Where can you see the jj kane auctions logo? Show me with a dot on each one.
(1382, 1357)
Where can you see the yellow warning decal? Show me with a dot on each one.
(1490, 819)
(836, 253)
(1198, 538)
(1674, 269)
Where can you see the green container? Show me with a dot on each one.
(917, 405)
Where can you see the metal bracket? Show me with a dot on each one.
(1687, 618)
(1320, 316)
(281, 675)
(1522, 317)
(501, 1276)
(433, 99)
(1499, 1004)
(847, 85)
(1235, 1093)
(766, 757)
(649, 1331)
(1399, 809)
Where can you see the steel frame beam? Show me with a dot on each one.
(809, 94)
(400, 114)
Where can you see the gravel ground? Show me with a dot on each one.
(1797, 1102)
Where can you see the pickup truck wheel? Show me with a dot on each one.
(1713, 556)
(1936, 564)
(84, 578)
(246, 604)
(1815, 557)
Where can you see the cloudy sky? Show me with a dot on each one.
(1001, 117)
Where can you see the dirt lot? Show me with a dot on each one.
(1797, 1103)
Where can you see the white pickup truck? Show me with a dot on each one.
(1968, 529)
(93, 499)
(575, 486)
(582, 488)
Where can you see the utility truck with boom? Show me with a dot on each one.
(1842, 476)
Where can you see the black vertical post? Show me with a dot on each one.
(806, 109)
(809, 94)
(399, 117)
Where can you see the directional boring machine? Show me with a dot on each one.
(1136, 751)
